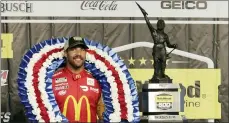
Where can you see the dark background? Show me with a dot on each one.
(203, 39)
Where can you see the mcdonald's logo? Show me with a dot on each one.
(77, 107)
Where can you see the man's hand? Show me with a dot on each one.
(167, 56)
(173, 46)
(100, 121)
(143, 10)
(100, 109)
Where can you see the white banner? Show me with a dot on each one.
(202, 9)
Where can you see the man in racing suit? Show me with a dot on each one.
(77, 93)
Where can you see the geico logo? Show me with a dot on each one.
(183, 4)
(77, 107)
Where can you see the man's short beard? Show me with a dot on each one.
(74, 66)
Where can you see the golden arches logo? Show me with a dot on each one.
(77, 107)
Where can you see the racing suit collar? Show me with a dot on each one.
(76, 76)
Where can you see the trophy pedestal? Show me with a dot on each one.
(162, 102)
(166, 79)
(162, 118)
(163, 80)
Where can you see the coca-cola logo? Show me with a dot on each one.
(99, 5)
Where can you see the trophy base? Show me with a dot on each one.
(162, 118)
(161, 102)
(160, 80)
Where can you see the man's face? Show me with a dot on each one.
(76, 56)
(160, 25)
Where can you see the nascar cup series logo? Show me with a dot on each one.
(164, 101)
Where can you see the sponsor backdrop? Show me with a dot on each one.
(200, 63)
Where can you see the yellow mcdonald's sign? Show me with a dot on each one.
(197, 98)
(77, 107)
(6, 49)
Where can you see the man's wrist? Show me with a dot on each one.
(100, 120)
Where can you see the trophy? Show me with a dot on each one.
(161, 100)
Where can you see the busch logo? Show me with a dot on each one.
(99, 5)
(17, 7)
(183, 4)
(4, 76)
